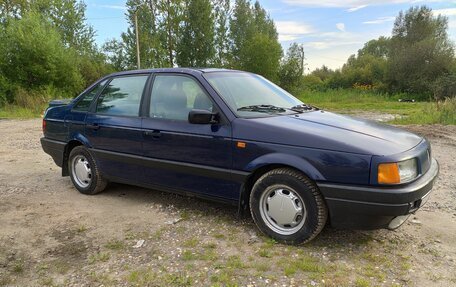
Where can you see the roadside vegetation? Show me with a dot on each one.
(352, 101)
(49, 51)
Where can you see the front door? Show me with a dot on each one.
(113, 128)
(190, 157)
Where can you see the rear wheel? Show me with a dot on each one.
(287, 205)
(84, 172)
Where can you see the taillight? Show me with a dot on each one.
(44, 126)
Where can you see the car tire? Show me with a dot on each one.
(84, 172)
(287, 206)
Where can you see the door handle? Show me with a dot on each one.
(154, 134)
(93, 126)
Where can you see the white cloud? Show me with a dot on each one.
(326, 44)
(452, 24)
(356, 8)
(117, 7)
(285, 38)
(340, 26)
(380, 20)
(349, 3)
(291, 30)
(445, 12)
(292, 27)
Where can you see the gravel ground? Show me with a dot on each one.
(128, 236)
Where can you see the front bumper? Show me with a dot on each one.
(361, 207)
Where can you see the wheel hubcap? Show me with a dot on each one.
(81, 171)
(282, 209)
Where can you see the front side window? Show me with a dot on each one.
(173, 97)
(83, 104)
(122, 96)
(249, 95)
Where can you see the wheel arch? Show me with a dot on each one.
(266, 163)
(77, 140)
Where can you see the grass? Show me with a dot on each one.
(99, 257)
(435, 113)
(18, 267)
(115, 245)
(348, 101)
(352, 100)
(16, 112)
(148, 277)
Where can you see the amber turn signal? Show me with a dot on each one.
(388, 173)
(241, 144)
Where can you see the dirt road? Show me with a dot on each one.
(52, 235)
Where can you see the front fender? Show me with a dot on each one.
(288, 160)
(274, 159)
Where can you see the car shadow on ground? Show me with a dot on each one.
(329, 238)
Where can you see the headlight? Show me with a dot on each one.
(408, 170)
(397, 172)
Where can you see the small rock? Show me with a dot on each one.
(313, 283)
(139, 243)
(253, 237)
(416, 221)
(171, 222)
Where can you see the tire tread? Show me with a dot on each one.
(321, 206)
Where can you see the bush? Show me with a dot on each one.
(34, 58)
(5, 91)
(445, 87)
(312, 82)
(35, 99)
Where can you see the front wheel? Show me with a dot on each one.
(84, 172)
(287, 206)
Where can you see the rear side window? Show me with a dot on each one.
(84, 103)
(122, 96)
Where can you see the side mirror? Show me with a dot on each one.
(202, 117)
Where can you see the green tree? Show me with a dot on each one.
(366, 69)
(420, 51)
(261, 55)
(173, 13)
(116, 54)
(33, 56)
(378, 48)
(151, 37)
(241, 29)
(68, 16)
(291, 68)
(323, 73)
(158, 24)
(196, 45)
(250, 29)
(221, 38)
(12, 9)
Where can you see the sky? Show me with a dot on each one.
(329, 30)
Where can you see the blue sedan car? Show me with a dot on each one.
(235, 137)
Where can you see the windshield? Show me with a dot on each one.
(249, 95)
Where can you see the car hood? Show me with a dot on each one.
(325, 130)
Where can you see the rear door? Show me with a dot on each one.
(113, 127)
(190, 157)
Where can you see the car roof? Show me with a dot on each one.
(175, 70)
